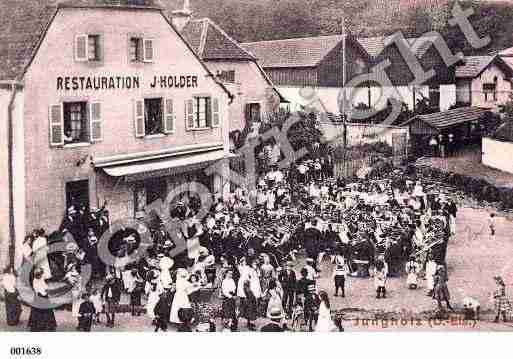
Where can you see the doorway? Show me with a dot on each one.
(77, 194)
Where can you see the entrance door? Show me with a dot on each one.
(77, 194)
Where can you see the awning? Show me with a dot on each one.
(165, 167)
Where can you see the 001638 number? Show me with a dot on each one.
(26, 351)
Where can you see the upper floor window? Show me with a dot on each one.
(202, 112)
(88, 48)
(154, 116)
(141, 49)
(490, 90)
(226, 76)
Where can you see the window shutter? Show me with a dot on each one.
(189, 114)
(148, 50)
(95, 121)
(139, 118)
(56, 125)
(169, 117)
(215, 112)
(81, 48)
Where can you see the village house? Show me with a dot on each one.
(483, 81)
(318, 62)
(95, 110)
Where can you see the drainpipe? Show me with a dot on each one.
(10, 172)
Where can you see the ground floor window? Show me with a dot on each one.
(77, 194)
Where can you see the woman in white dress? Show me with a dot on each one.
(181, 298)
(153, 290)
(324, 322)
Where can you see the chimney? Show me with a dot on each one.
(180, 18)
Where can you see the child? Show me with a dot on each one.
(86, 314)
(96, 299)
(491, 224)
(298, 315)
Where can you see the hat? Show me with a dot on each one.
(275, 313)
(130, 239)
(168, 244)
(203, 251)
(309, 260)
(290, 264)
(72, 210)
(160, 255)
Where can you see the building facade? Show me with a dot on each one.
(236, 68)
(112, 105)
(483, 81)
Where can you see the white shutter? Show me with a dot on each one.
(215, 112)
(139, 118)
(148, 50)
(56, 121)
(95, 121)
(81, 48)
(169, 116)
(189, 114)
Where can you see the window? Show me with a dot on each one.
(87, 48)
(253, 113)
(226, 76)
(155, 188)
(136, 49)
(202, 112)
(75, 122)
(490, 91)
(153, 116)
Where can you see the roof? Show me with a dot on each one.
(375, 45)
(300, 52)
(446, 119)
(504, 132)
(310, 51)
(24, 22)
(210, 42)
(475, 65)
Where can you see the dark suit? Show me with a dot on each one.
(288, 283)
(311, 240)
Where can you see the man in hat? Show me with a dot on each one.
(311, 240)
(288, 279)
(274, 325)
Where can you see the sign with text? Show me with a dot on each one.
(85, 83)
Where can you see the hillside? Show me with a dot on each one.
(249, 20)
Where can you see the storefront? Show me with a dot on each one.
(119, 111)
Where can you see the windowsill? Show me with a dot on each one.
(78, 144)
(201, 128)
(157, 135)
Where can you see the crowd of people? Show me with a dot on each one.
(258, 252)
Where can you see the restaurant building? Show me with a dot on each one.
(102, 100)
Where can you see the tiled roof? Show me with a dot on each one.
(473, 66)
(375, 45)
(210, 42)
(309, 51)
(445, 119)
(25, 21)
(301, 52)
